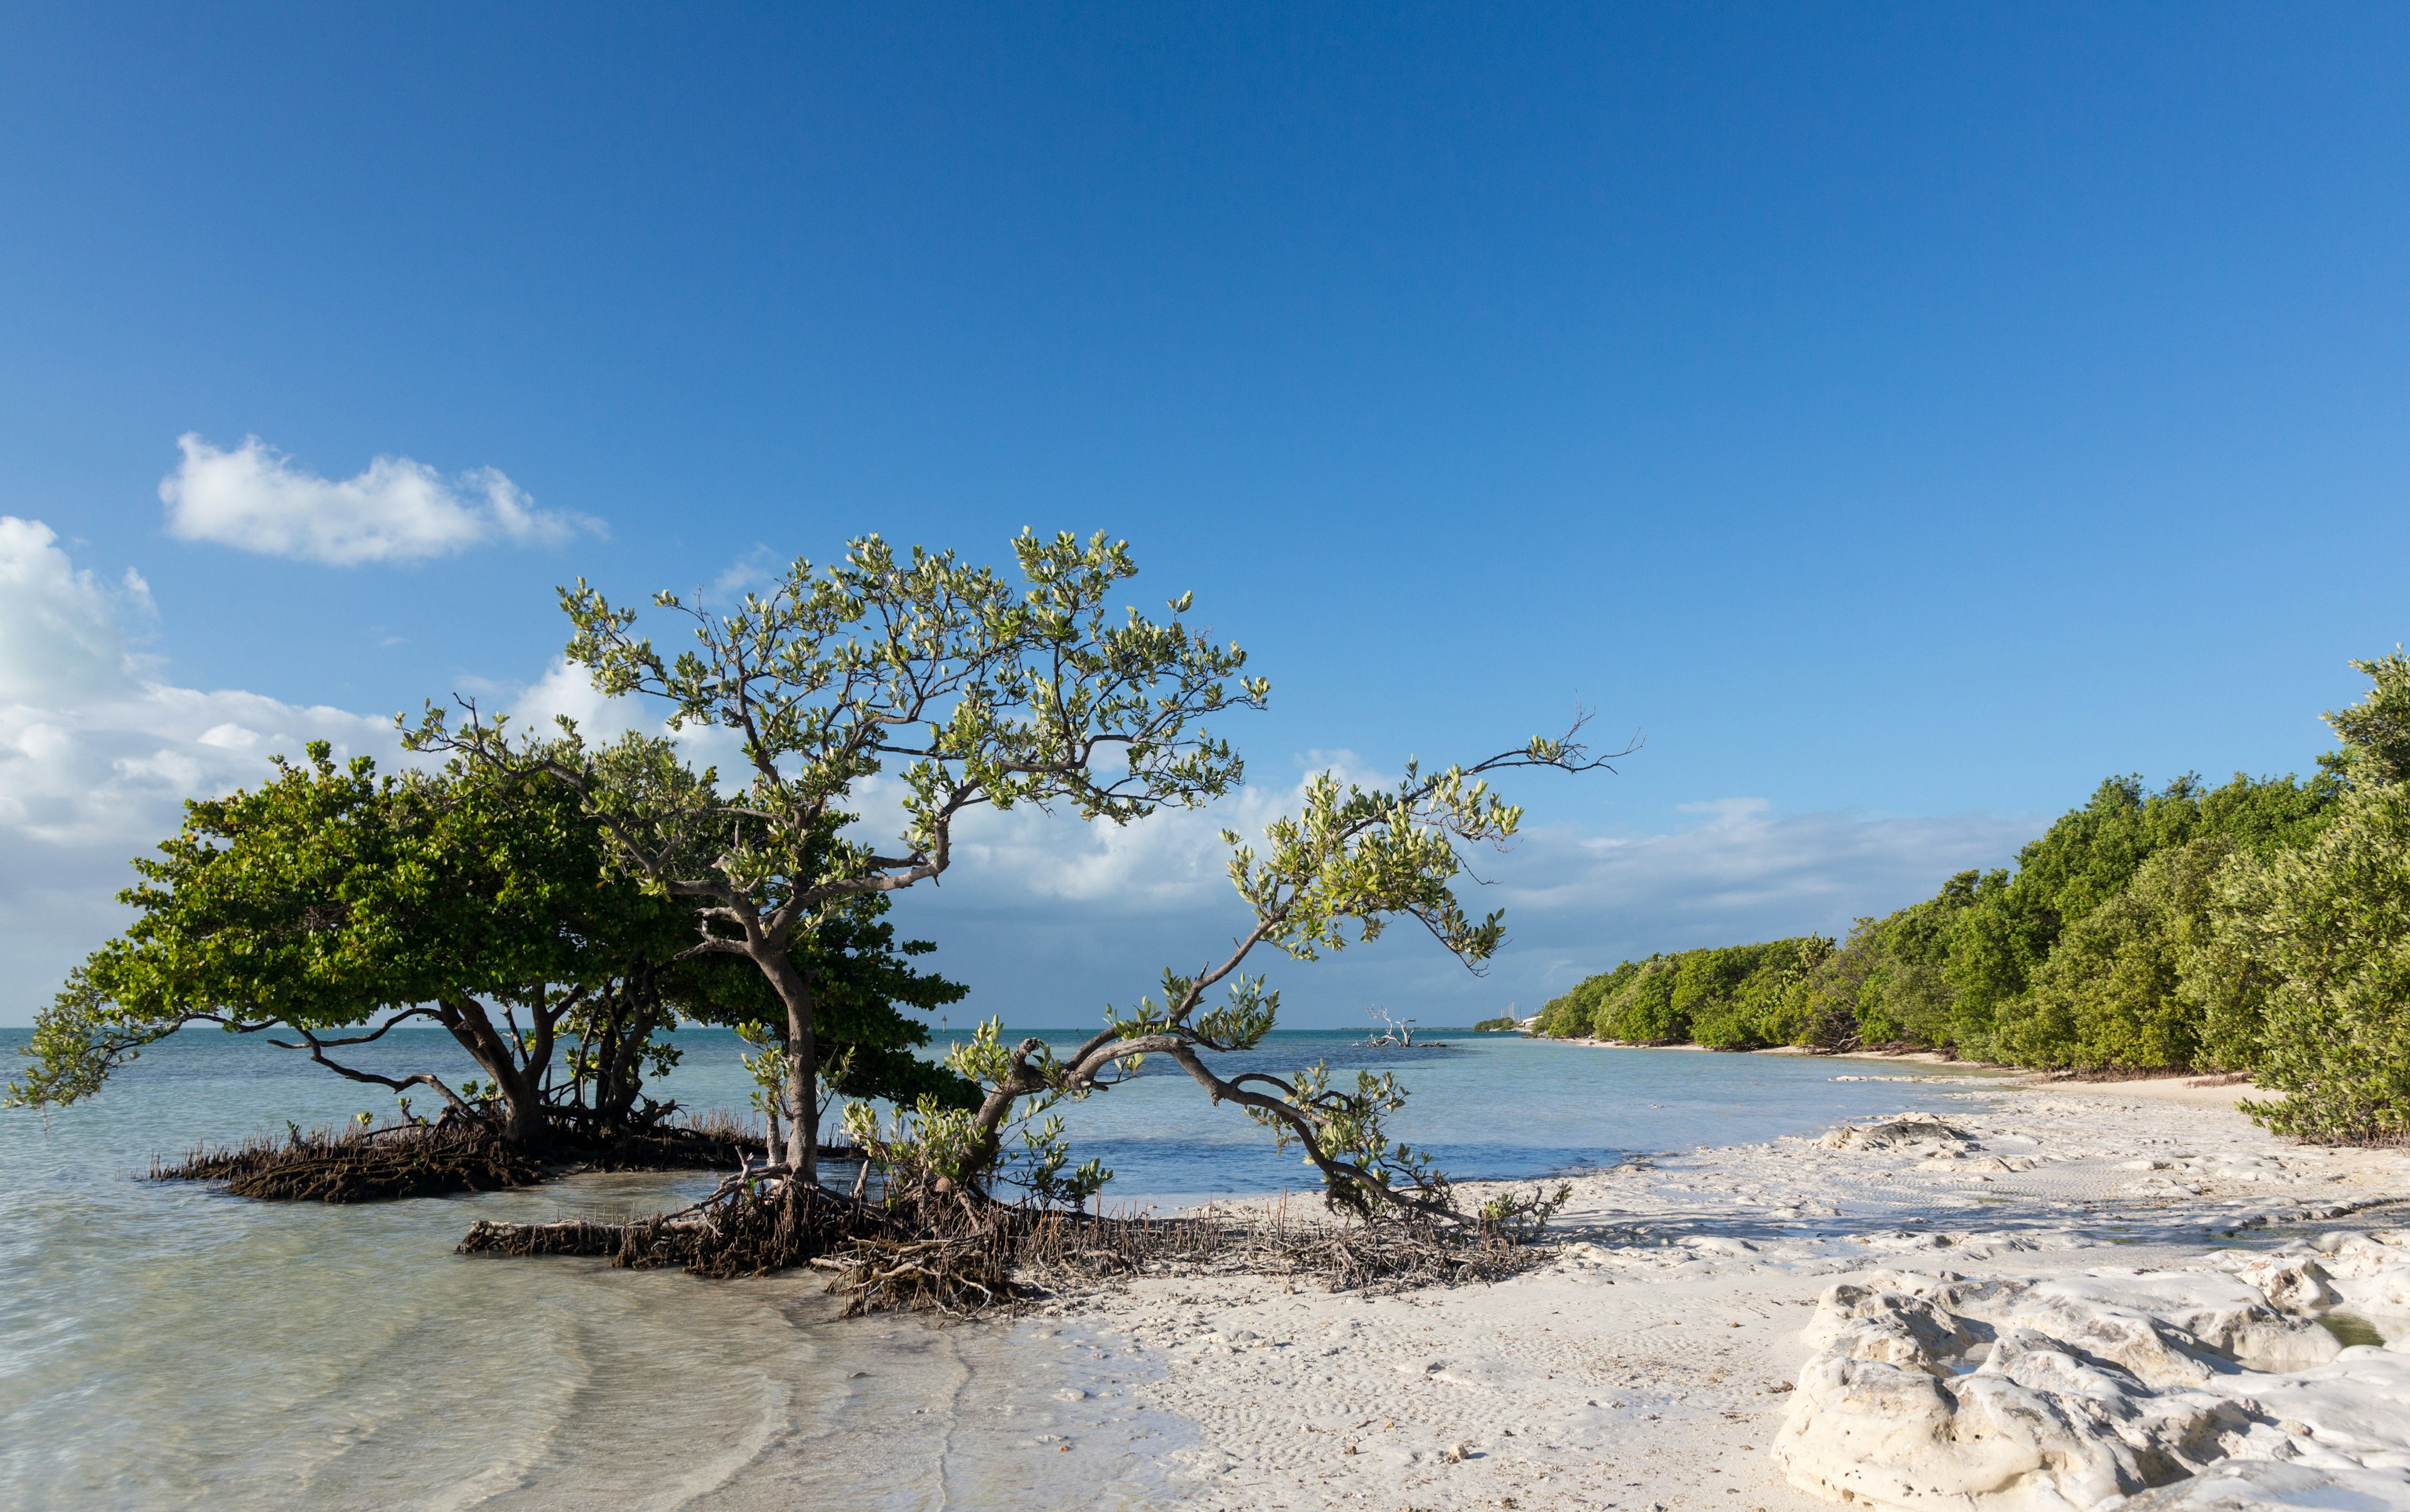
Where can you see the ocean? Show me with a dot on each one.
(163, 1345)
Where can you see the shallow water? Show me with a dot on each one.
(1489, 1107)
(163, 1345)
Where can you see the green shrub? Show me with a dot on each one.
(2376, 730)
(1642, 1010)
(1885, 984)
(2013, 925)
(1747, 997)
(1730, 998)
(2109, 994)
(1706, 984)
(1573, 1014)
(2328, 929)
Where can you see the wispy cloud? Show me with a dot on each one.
(396, 510)
(755, 569)
(1579, 902)
(1049, 919)
(1046, 918)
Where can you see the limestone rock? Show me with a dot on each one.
(2366, 1274)
(2246, 1485)
(2063, 1395)
(2291, 1283)
(1900, 1131)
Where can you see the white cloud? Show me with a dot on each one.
(396, 510)
(1745, 873)
(97, 755)
(1047, 919)
(566, 691)
(59, 628)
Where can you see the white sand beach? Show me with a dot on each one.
(1720, 1321)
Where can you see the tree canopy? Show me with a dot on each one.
(2375, 732)
(332, 899)
(963, 689)
(336, 903)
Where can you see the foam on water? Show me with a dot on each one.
(164, 1345)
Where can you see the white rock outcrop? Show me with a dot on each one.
(1900, 1131)
(2181, 1389)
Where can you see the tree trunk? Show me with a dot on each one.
(522, 1093)
(531, 1121)
(987, 1124)
(527, 1123)
(619, 1071)
(802, 1069)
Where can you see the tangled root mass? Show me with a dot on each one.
(963, 1257)
(430, 1160)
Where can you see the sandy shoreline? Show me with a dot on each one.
(1653, 1365)
(2206, 1090)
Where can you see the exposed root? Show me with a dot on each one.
(746, 1228)
(1015, 1256)
(955, 1257)
(706, 1145)
(961, 1275)
(356, 1165)
(320, 1167)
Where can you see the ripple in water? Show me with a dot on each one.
(163, 1345)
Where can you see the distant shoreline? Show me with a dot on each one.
(2207, 1089)
(1927, 1057)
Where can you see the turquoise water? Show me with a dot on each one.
(164, 1345)
(1489, 1107)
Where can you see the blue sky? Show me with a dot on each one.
(1903, 417)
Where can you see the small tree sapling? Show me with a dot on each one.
(1354, 861)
